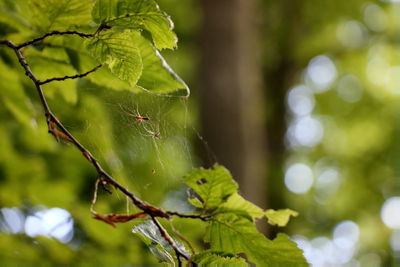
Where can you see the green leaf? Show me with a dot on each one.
(137, 14)
(214, 259)
(235, 234)
(13, 96)
(237, 204)
(212, 186)
(157, 75)
(13, 13)
(280, 217)
(49, 15)
(50, 63)
(82, 61)
(119, 51)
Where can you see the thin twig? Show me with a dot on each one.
(94, 199)
(190, 216)
(81, 34)
(71, 77)
(104, 177)
(170, 240)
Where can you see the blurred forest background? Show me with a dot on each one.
(300, 99)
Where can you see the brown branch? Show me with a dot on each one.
(171, 241)
(58, 130)
(113, 218)
(71, 77)
(190, 216)
(81, 34)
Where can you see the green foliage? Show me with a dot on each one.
(231, 228)
(237, 204)
(137, 15)
(47, 15)
(280, 217)
(125, 37)
(119, 51)
(236, 234)
(157, 75)
(213, 187)
(213, 259)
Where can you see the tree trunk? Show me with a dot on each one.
(232, 101)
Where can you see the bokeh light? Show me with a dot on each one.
(299, 178)
(323, 251)
(349, 89)
(327, 183)
(395, 240)
(375, 18)
(346, 234)
(321, 73)
(301, 100)
(305, 131)
(13, 220)
(390, 213)
(53, 223)
(351, 34)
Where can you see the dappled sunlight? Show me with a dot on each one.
(395, 241)
(340, 249)
(349, 89)
(321, 73)
(390, 213)
(53, 223)
(305, 131)
(13, 220)
(375, 18)
(299, 178)
(351, 34)
(342, 137)
(327, 183)
(301, 100)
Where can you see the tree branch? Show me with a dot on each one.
(171, 241)
(190, 216)
(81, 34)
(71, 77)
(57, 129)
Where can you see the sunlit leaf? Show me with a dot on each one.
(137, 14)
(235, 234)
(157, 75)
(214, 259)
(13, 13)
(280, 217)
(119, 51)
(49, 15)
(46, 67)
(82, 61)
(212, 186)
(236, 203)
(13, 96)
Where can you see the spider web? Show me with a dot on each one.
(144, 140)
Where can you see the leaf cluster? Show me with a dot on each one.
(125, 38)
(231, 229)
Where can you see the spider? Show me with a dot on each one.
(140, 118)
(153, 134)
(136, 116)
